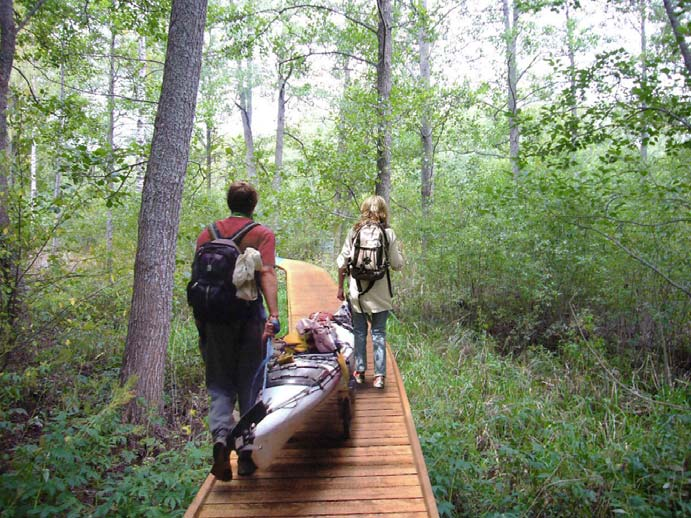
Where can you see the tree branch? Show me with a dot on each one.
(678, 36)
(331, 10)
(686, 291)
(328, 53)
(31, 90)
(28, 16)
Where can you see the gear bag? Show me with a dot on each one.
(211, 292)
(317, 332)
(370, 256)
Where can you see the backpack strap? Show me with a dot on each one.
(214, 232)
(386, 254)
(237, 236)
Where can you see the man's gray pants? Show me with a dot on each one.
(232, 354)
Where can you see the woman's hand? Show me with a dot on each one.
(339, 295)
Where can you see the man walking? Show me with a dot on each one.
(232, 346)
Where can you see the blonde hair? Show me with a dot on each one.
(373, 208)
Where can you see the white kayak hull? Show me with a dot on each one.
(292, 393)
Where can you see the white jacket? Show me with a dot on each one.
(247, 263)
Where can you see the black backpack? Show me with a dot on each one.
(211, 292)
(370, 256)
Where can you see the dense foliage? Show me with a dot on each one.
(542, 323)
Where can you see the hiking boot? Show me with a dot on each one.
(246, 465)
(378, 382)
(221, 467)
(359, 377)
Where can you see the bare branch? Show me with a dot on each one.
(31, 90)
(686, 291)
(302, 145)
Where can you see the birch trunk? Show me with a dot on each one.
(209, 157)
(511, 34)
(427, 168)
(280, 129)
(111, 149)
(57, 186)
(644, 77)
(384, 34)
(246, 112)
(33, 172)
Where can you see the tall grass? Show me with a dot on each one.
(541, 434)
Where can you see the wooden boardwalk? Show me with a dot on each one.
(378, 471)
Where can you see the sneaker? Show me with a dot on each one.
(246, 465)
(378, 382)
(359, 377)
(221, 467)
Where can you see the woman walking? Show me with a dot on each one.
(370, 250)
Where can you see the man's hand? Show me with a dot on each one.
(272, 326)
(339, 295)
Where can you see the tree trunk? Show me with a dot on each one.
(246, 112)
(427, 168)
(57, 185)
(149, 322)
(111, 150)
(209, 158)
(7, 262)
(342, 195)
(644, 78)
(140, 90)
(511, 35)
(571, 49)
(679, 36)
(384, 34)
(280, 128)
(7, 44)
(33, 172)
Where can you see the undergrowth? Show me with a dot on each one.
(65, 450)
(544, 434)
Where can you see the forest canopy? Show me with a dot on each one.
(535, 156)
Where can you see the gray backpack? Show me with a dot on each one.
(370, 256)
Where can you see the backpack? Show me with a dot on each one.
(211, 292)
(370, 256)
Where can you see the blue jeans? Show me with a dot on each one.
(232, 355)
(378, 322)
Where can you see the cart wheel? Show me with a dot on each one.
(346, 416)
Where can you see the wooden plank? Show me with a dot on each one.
(354, 451)
(319, 471)
(311, 494)
(196, 504)
(364, 508)
(286, 464)
(351, 482)
(317, 442)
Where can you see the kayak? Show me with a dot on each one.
(293, 391)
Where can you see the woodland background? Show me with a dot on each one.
(536, 159)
